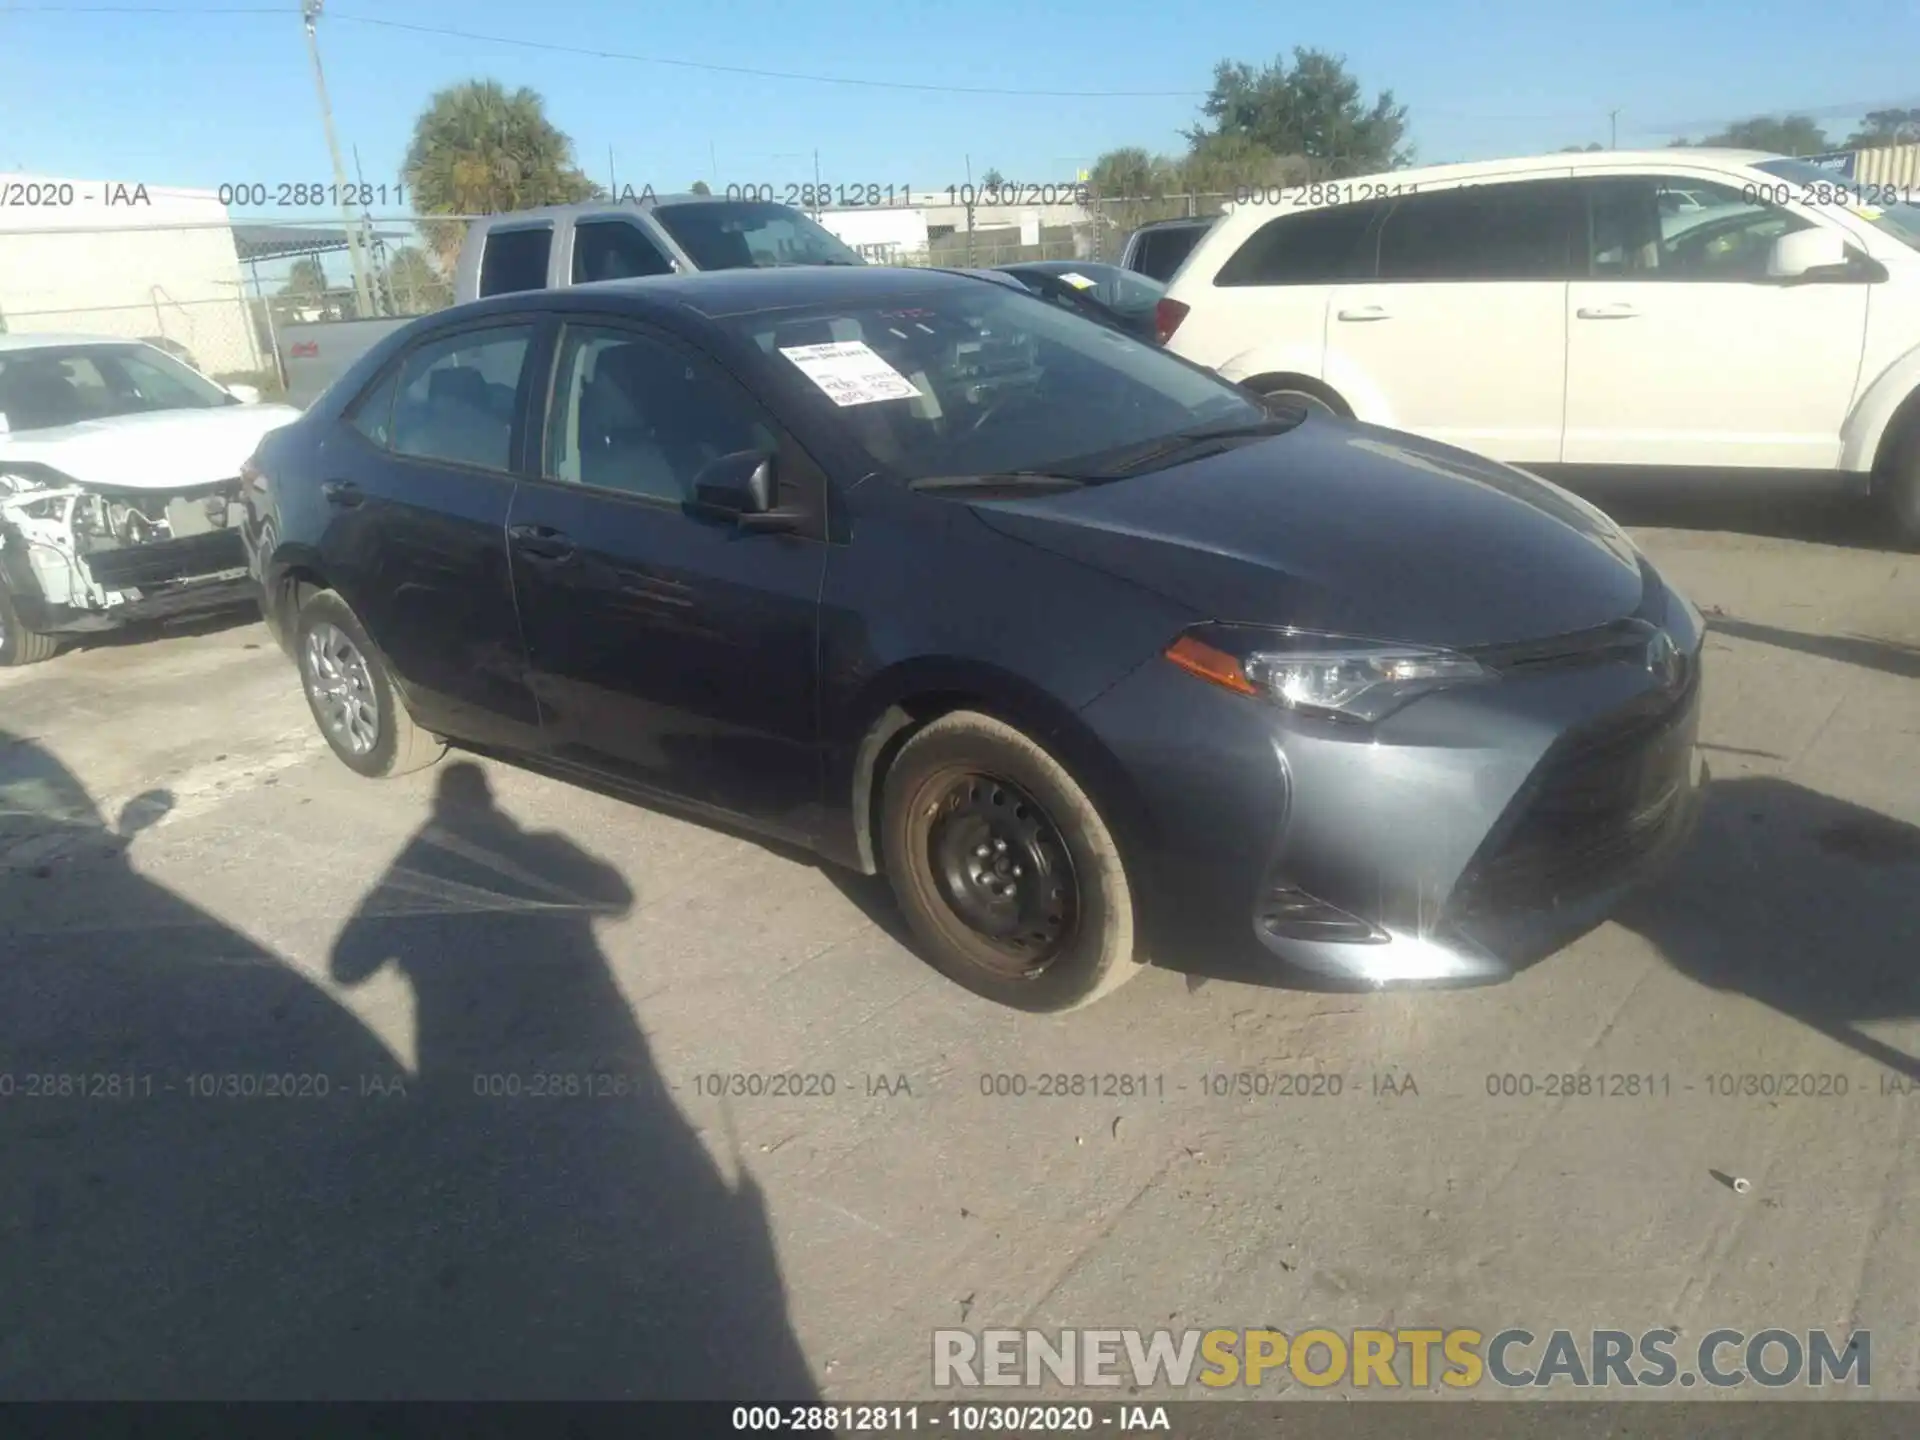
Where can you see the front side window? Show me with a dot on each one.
(1310, 247)
(1649, 228)
(750, 234)
(515, 260)
(637, 415)
(614, 250)
(981, 379)
(457, 397)
(1514, 231)
(66, 384)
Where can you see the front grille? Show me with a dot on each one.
(1597, 805)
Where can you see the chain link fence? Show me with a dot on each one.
(282, 304)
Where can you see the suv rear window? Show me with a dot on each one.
(1161, 252)
(1309, 247)
(515, 260)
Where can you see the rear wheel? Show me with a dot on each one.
(351, 695)
(1004, 868)
(18, 644)
(1899, 487)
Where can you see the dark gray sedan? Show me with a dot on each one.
(1096, 659)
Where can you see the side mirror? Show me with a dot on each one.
(1816, 254)
(743, 485)
(245, 394)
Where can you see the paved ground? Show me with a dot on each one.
(273, 915)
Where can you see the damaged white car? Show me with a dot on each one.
(119, 488)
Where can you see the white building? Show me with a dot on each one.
(111, 257)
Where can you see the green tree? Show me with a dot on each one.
(992, 180)
(1885, 127)
(699, 187)
(1312, 108)
(416, 285)
(1131, 173)
(480, 149)
(1778, 134)
(306, 279)
(1588, 148)
(1218, 164)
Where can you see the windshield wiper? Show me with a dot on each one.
(1132, 462)
(1001, 480)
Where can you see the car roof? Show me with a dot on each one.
(1175, 221)
(716, 294)
(53, 339)
(625, 201)
(1059, 267)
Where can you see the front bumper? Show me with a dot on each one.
(1469, 835)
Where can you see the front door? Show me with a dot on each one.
(1680, 350)
(670, 649)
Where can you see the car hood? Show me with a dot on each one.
(160, 450)
(1352, 530)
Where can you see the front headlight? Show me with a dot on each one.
(1332, 677)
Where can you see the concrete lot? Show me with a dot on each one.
(279, 916)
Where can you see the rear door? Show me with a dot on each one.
(1268, 312)
(1681, 351)
(670, 649)
(417, 483)
(1462, 333)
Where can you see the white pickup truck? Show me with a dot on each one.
(119, 488)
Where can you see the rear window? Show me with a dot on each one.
(750, 234)
(1309, 247)
(515, 260)
(1161, 252)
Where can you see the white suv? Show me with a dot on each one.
(1666, 311)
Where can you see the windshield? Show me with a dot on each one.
(1882, 206)
(987, 380)
(66, 384)
(748, 234)
(1118, 289)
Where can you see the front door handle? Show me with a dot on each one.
(343, 493)
(1363, 312)
(1606, 312)
(540, 542)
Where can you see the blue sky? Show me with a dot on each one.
(200, 98)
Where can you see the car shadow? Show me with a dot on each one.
(145, 632)
(1891, 657)
(1807, 904)
(222, 1183)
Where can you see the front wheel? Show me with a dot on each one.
(18, 644)
(1004, 868)
(352, 696)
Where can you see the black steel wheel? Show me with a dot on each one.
(1004, 867)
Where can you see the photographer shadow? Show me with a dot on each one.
(226, 1186)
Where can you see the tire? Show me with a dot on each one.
(1899, 488)
(352, 695)
(1312, 403)
(18, 644)
(969, 793)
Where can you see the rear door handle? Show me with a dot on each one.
(343, 493)
(1606, 312)
(1363, 312)
(540, 542)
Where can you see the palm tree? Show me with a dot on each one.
(479, 149)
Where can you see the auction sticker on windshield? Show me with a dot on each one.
(849, 373)
(1079, 282)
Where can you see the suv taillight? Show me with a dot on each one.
(1167, 316)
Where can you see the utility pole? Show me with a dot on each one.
(1613, 129)
(377, 266)
(362, 293)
